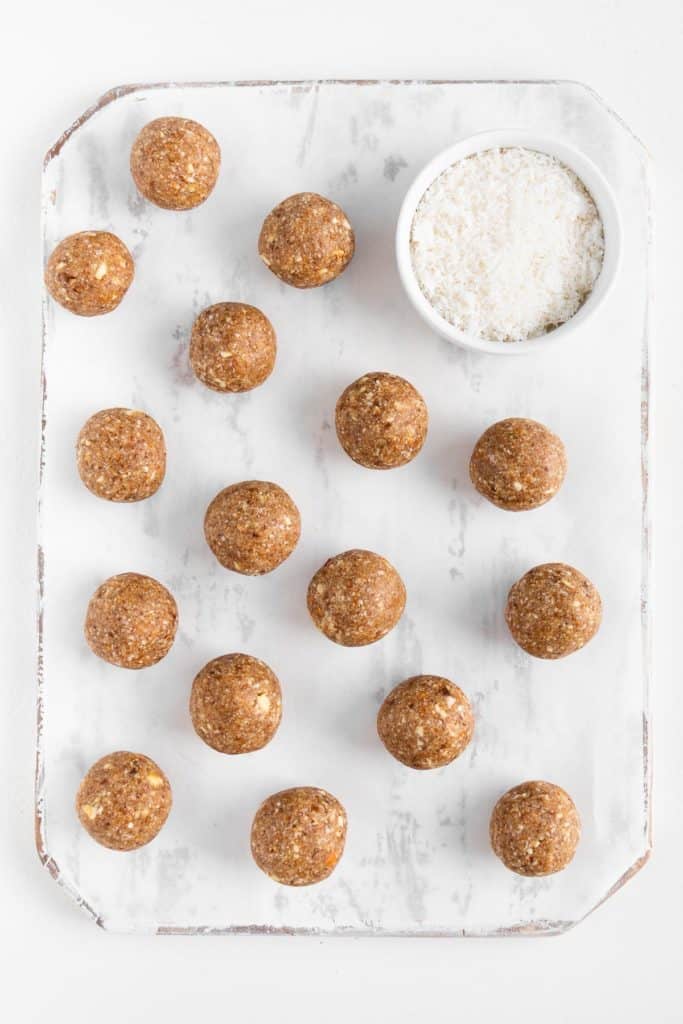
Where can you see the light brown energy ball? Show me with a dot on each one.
(356, 598)
(175, 163)
(381, 421)
(535, 829)
(89, 273)
(252, 527)
(232, 347)
(553, 610)
(124, 800)
(518, 464)
(307, 240)
(425, 722)
(121, 455)
(131, 621)
(298, 835)
(236, 704)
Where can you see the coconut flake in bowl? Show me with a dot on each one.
(506, 241)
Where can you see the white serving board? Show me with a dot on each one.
(417, 860)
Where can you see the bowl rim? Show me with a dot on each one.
(588, 173)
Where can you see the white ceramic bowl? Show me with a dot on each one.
(592, 178)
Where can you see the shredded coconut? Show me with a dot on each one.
(507, 244)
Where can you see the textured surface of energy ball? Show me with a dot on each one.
(425, 722)
(252, 527)
(236, 704)
(381, 421)
(535, 829)
(232, 347)
(89, 273)
(356, 598)
(124, 800)
(175, 163)
(306, 240)
(131, 621)
(121, 455)
(553, 610)
(518, 464)
(298, 835)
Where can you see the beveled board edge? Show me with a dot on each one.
(542, 927)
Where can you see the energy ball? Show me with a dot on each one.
(535, 829)
(518, 464)
(553, 610)
(236, 704)
(175, 163)
(89, 273)
(381, 421)
(356, 598)
(306, 241)
(232, 347)
(131, 621)
(425, 722)
(121, 455)
(252, 527)
(298, 835)
(124, 800)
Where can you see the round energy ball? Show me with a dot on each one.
(425, 722)
(131, 621)
(356, 598)
(518, 464)
(535, 829)
(298, 835)
(236, 704)
(307, 240)
(553, 610)
(175, 163)
(89, 273)
(121, 455)
(252, 527)
(232, 347)
(124, 800)
(381, 421)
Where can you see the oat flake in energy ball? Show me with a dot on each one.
(507, 244)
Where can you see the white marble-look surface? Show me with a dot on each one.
(417, 859)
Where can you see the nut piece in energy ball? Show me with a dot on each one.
(124, 800)
(535, 829)
(518, 464)
(233, 347)
(252, 527)
(356, 598)
(131, 621)
(236, 704)
(298, 835)
(89, 273)
(175, 163)
(121, 455)
(553, 610)
(306, 240)
(381, 421)
(425, 722)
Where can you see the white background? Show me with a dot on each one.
(623, 963)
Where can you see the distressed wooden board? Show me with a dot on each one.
(417, 859)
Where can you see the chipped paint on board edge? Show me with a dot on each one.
(539, 928)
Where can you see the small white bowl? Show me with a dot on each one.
(584, 169)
